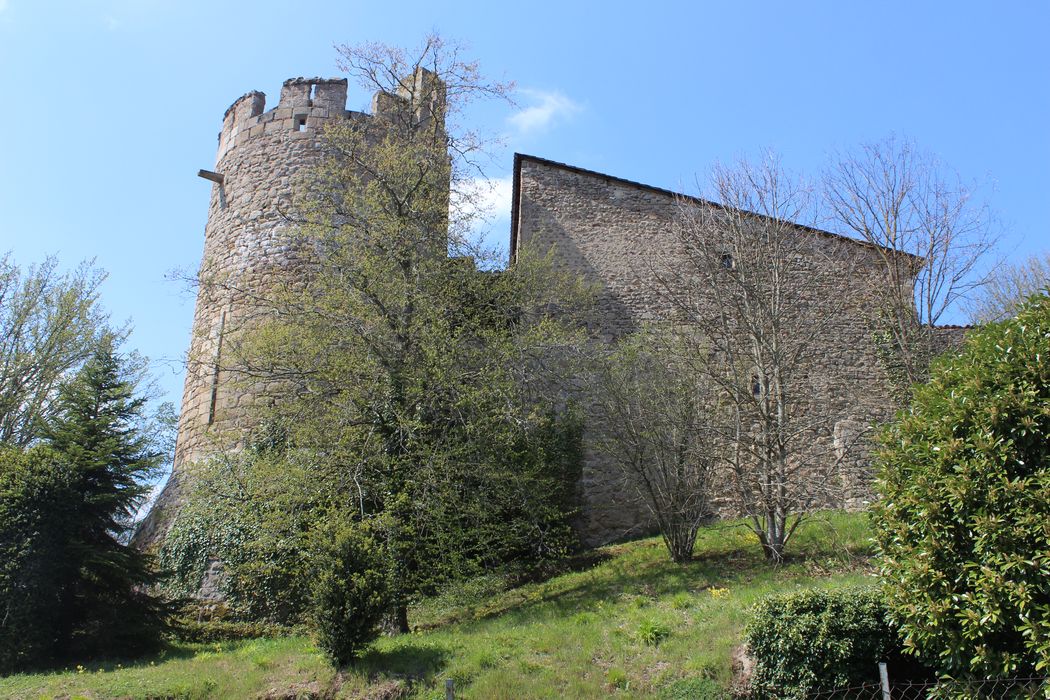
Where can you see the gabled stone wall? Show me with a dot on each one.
(619, 235)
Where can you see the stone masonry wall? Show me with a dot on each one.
(618, 234)
(246, 245)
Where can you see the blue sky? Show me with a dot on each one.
(111, 106)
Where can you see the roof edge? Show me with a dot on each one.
(515, 194)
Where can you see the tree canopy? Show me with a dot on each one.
(50, 323)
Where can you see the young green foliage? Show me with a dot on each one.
(421, 385)
(255, 511)
(50, 323)
(348, 590)
(965, 485)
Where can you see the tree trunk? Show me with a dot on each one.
(401, 619)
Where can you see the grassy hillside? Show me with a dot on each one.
(627, 623)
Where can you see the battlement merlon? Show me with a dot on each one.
(314, 92)
(307, 103)
(422, 90)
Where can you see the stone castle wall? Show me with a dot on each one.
(613, 232)
(619, 235)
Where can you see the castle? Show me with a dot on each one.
(602, 227)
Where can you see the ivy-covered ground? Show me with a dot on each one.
(628, 623)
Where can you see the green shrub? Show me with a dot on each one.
(965, 501)
(257, 511)
(817, 640)
(618, 678)
(261, 536)
(693, 688)
(651, 633)
(200, 622)
(348, 591)
(209, 631)
(34, 492)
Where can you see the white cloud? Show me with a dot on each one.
(486, 199)
(549, 107)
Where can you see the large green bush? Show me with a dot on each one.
(817, 640)
(963, 523)
(349, 591)
(505, 505)
(35, 490)
(254, 511)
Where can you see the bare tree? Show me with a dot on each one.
(748, 286)
(653, 409)
(1007, 287)
(427, 115)
(932, 234)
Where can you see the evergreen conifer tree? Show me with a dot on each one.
(101, 436)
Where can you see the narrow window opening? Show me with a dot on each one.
(727, 261)
(756, 386)
(313, 91)
(300, 124)
(215, 370)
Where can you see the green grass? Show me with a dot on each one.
(627, 623)
(227, 670)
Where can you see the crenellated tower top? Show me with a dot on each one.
(307, 103)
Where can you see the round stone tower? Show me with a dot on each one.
(246, 248)
(261, 157)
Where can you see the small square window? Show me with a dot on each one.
(300, 124)
(727, 261)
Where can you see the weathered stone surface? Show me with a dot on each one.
(618, 234)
